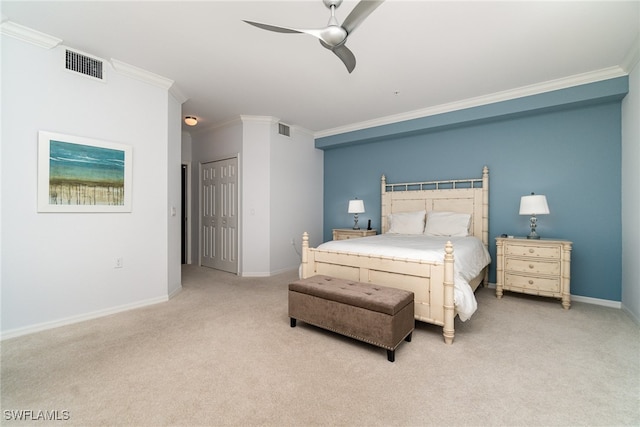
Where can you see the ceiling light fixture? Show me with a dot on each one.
(190, 121)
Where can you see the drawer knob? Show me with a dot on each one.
(531, 250)
(531, 282)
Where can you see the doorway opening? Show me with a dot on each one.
(185, 211)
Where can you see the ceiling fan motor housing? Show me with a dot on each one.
(334, 35)
(330, 3)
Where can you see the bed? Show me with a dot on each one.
(434, 280)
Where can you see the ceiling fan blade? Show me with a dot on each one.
(346, 56)
(272, 27)
(359, 14)
(312, 32)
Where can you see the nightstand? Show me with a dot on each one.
(350, 233)
(534, 266)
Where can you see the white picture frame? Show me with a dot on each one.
(79, 174)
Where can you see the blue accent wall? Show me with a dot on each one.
(565, 144)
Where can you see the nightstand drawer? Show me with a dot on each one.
(532, 283)
(533, 266)
(349, 236)
(349, 233)
(533, 251)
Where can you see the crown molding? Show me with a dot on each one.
(521, 92)
(46, 41)
(300, 129)
(236, 121)
(28, 35)
(632, 58)
(244, 118)
(179, 96)
(258, 119)
(140, 74)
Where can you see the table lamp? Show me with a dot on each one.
(356, 207)
(533, 205)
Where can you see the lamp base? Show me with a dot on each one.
(532, 224)
(355, 222)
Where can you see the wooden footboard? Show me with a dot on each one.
(431, 282)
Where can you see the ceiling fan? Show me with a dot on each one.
(333, 36)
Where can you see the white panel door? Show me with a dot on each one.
(219, 215)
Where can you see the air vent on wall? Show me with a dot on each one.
(84, 64)
(284, 129)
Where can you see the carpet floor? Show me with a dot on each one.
(222, 353)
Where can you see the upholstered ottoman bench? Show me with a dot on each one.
(374, 314)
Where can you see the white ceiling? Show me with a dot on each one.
(411, 55)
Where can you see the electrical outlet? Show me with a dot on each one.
(119, 262)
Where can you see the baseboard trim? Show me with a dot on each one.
(270, 273)
(588, 300)
(597, 301)
(18, 332)
(175, 292)
(631, 314)
(254, 274)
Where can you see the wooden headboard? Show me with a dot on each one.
(454, 195)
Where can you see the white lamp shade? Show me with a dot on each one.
(534, 204)
(356, 206)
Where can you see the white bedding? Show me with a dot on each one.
(470, 257)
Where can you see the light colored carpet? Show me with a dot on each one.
(222, 353)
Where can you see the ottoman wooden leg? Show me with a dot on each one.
(408, 338)
(391, 355)
(293, 322)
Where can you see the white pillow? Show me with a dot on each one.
(447, 224)
(407, 222)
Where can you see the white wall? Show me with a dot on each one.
(186, 147)
(255, 236)
(296, 196)
(59, 268)
(281, 192)
(631, 195)
(174, 195)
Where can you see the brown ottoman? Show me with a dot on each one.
(374, 314)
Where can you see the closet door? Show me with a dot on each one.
(219, 215)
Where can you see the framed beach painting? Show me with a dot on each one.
(77, 174)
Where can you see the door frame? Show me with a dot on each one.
(239, 198)
(187, 194)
